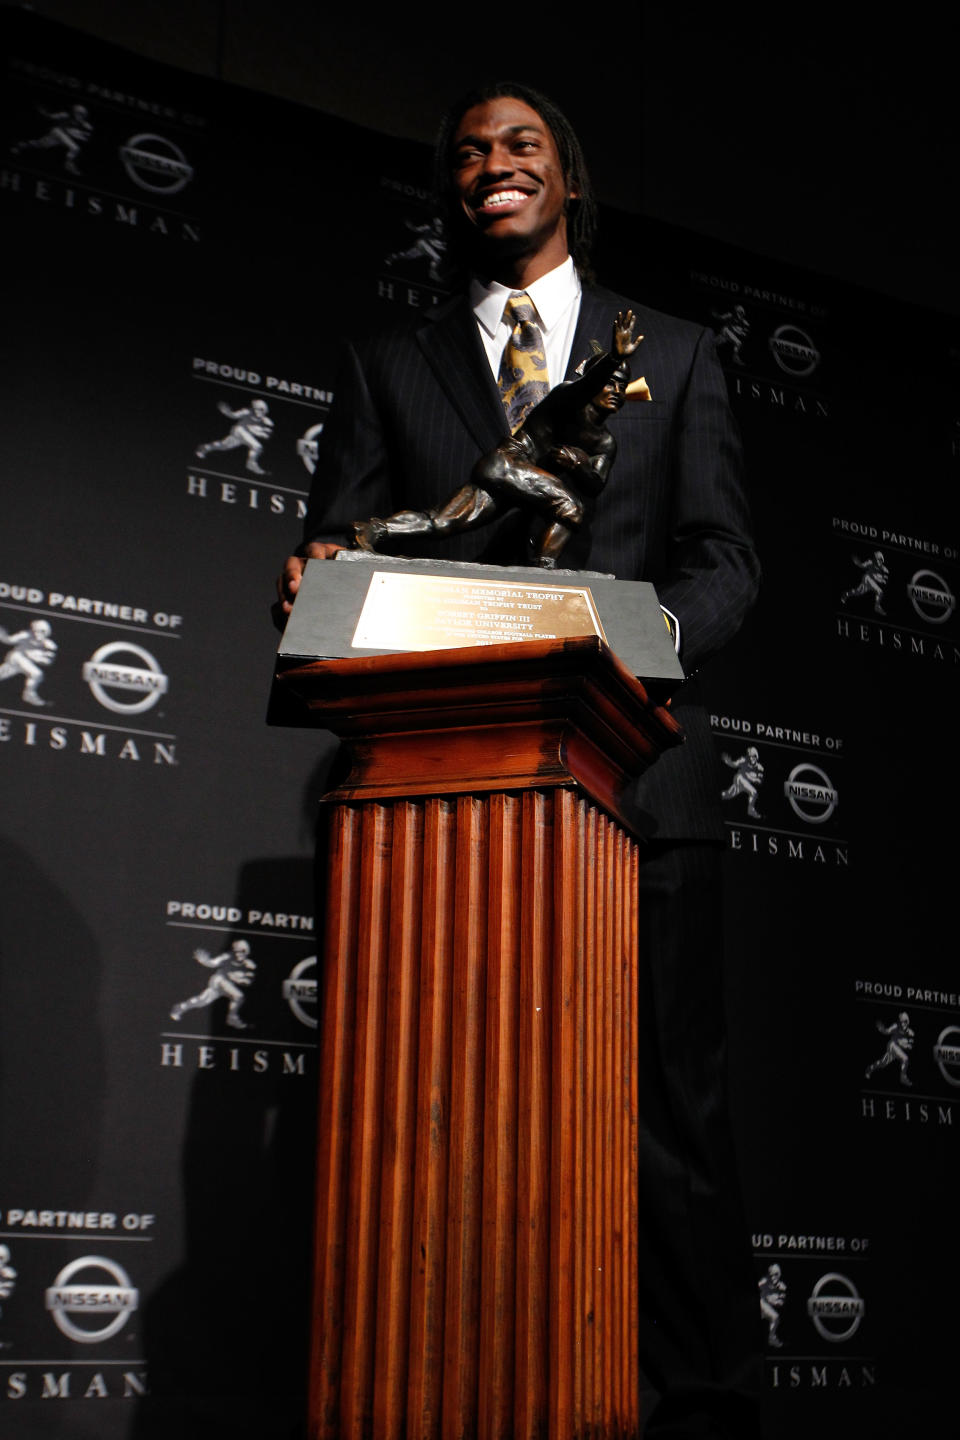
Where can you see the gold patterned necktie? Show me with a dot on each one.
(523, 367)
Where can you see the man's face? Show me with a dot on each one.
(508, 177)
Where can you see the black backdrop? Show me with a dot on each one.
(170, 250)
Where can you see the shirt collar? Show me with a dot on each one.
(552, 295)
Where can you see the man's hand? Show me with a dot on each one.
(623, 338)
(289, 581)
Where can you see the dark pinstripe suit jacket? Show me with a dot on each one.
(416, 406)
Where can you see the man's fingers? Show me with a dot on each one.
(289, 582)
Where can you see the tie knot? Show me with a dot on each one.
(519, 309)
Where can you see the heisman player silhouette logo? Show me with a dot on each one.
(733, 332)
(31, 651)
(232, 971)
(747, 779)
(252, 427)
(873, 581)
(900, 1039)
(430, 246)
(8, 1275)
(773, 1293)
(69, 132)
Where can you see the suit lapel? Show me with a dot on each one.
(597, 311)
(451, 345)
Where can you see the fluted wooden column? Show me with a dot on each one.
(476, 1243)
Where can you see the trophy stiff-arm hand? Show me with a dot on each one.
(624, 341)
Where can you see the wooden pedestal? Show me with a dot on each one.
(476, 1207)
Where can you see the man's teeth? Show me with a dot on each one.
(503, 197)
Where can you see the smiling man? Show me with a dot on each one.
(415, 410)
(506, 172)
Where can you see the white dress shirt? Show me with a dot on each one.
(556, 299)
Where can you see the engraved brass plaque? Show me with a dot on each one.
(442, 612)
